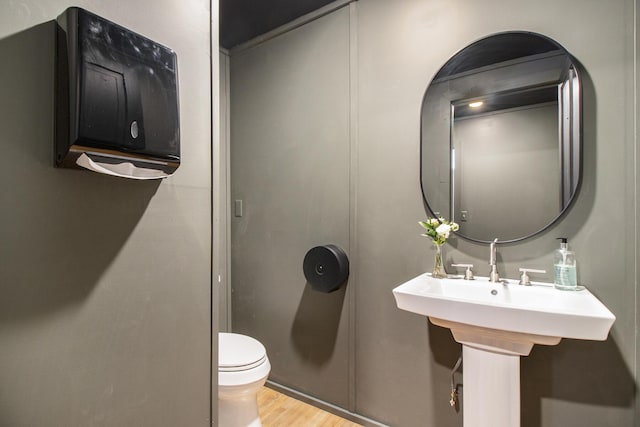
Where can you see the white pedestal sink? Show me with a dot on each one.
(497, 324)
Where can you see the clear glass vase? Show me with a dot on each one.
(438, 265)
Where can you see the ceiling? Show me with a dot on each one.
(242, 20)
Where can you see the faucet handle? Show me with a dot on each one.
(524, 277)
(468, 274)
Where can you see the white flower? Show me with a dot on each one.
(438, 229)
(443, 230)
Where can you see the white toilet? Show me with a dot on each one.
(243, 369)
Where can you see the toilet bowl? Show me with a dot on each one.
(243, 368)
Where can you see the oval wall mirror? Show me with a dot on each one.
(501, 137)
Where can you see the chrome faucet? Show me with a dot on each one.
(494, 277)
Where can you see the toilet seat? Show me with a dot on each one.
(241, 359)
(232, 368)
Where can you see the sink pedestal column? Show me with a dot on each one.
(491, 388)
(491, 372)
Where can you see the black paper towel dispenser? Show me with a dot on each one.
(326, 268)
(116, 99)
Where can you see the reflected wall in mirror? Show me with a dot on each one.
(501, 137)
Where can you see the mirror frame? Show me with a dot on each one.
(575, 144)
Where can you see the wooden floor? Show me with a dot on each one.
(279, 410)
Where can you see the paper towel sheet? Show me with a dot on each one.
(123, 170)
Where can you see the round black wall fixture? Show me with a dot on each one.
(326, 268)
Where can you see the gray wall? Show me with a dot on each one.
(105, 314)
(290, 169)
(401, 370)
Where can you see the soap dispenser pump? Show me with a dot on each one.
(564, 268)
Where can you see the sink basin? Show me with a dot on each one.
(538, 313)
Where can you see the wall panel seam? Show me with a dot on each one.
(353, 204)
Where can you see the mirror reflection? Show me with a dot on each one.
(500, 137)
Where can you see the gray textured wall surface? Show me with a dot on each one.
(105, 314)
(575, 383)
(290, 169)
(402, 364)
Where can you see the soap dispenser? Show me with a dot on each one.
(564, 268)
